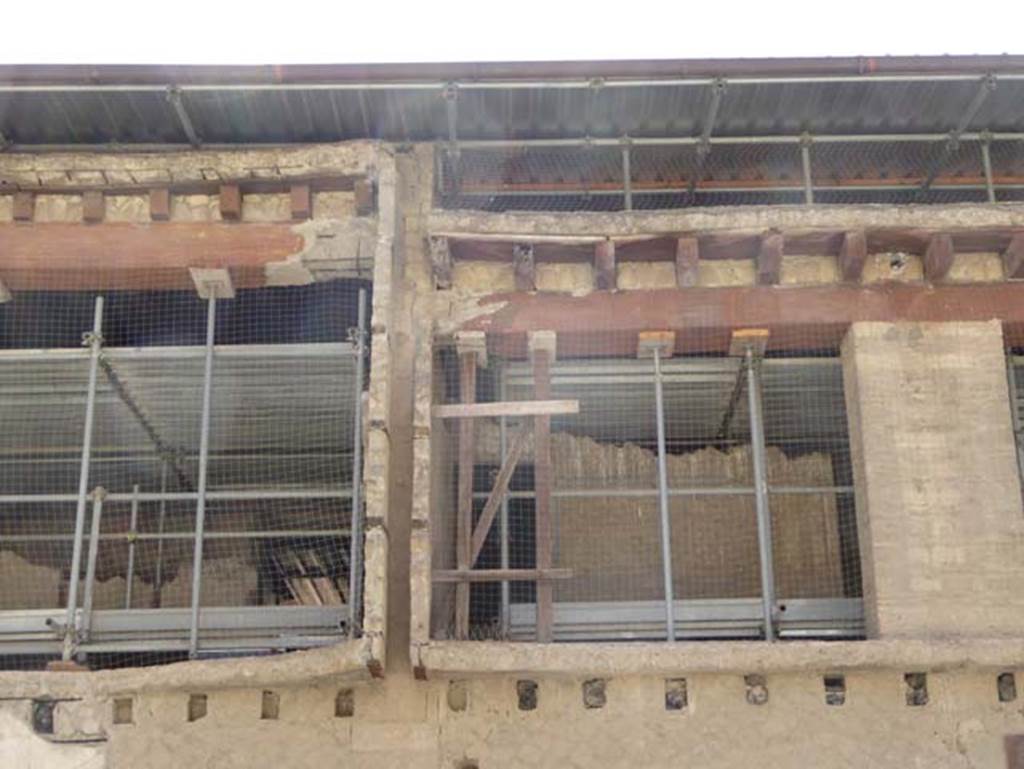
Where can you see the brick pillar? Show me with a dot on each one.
(938, 493)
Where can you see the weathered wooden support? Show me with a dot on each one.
(230, 202)
(687, 261)
(938, 258)
(441, 262)
(24, 209)
(542, 348)
(160, 204)
(523, 267)
(94, 206)
(508, 467)
(853, 253)
(769, 259)
(1013, 258)
(604, 266)
(301, 202)
(505, 409)
(366, 202)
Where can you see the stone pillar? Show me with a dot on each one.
(939, 508)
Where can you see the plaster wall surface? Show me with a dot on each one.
(935, 469)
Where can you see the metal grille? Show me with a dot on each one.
(178, 476)
(724, 511)
(648, 174)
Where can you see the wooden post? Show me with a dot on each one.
(160, 204)
(302, 202)
(230, 202)
(938, 257)
(853, 253)
(24, 206)
(542, 349)
(94, 206)
(769, 259)
(471, 348)
(1013, 258)
(687, 262)
(523, 267)
(604, 266)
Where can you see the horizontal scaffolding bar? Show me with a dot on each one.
(329, 349)
(709, 491)
(177, 496)
(141, 536)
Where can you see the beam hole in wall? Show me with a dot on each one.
(196, 707)
(676, 697)
(458, 696)
(42, 716)
(526, 691)
(270, 707)
(123, 710)
(1006, 685)
(594, 693)
(916, 689)
(345, 704)
(835, 690)
(757, 689)
(467, 763)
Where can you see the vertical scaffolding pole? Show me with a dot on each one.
(98, 495)
(805, 162)
(204, 453)
(986, 163)
(95, 343)
(544, 535)
(506, 609)
(1018, 427)
(666, 524)
(627, 177)
(764, 516)
(355, 560)
(133, 526)
(158, 578)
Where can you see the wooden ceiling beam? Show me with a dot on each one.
(853, 253)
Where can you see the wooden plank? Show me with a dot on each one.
(938, 258)
(544, 534)
(94, 206)
(853, 253)
(523, 267)
(24, 207)
(604, 266)
(120, 254)
(464, 523)
(1013, 258)
(365, 201)
(687, 261)
(483, 525)
(230, 202)
(441, 262)
(160, 204)
(465, 576)
(505, 409)
(769, 259)
(301, 202)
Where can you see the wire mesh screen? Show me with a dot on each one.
(114, 465)
(631, 523)
(607, 175)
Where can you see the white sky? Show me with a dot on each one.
(303, 31)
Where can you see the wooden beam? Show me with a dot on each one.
(94, 206)
(160, 204)
(542, 478)
(508, 467)
(467, 461)
(853, 253)
(24, 207)
(523, 267)
(505, 409)
(938, 258)
(604, 266)
(122, 255)
(687, 261)
(365, 199)
(769, 259)
(230, 202)
(1013, 258)
(441, 262)
(704, 318)
(301, 201)
(500, 575)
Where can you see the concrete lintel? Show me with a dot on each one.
(466, 658)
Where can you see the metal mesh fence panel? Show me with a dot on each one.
(177, 474)
(650, 174)
(659, 521)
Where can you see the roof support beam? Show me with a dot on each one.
(1013, 258)
(604, 266)
(687, 261)
(853, 253)
(985, 89)
(938, 257)
(174, 96)
(769, 259)
(160, 204)
(717, 88)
